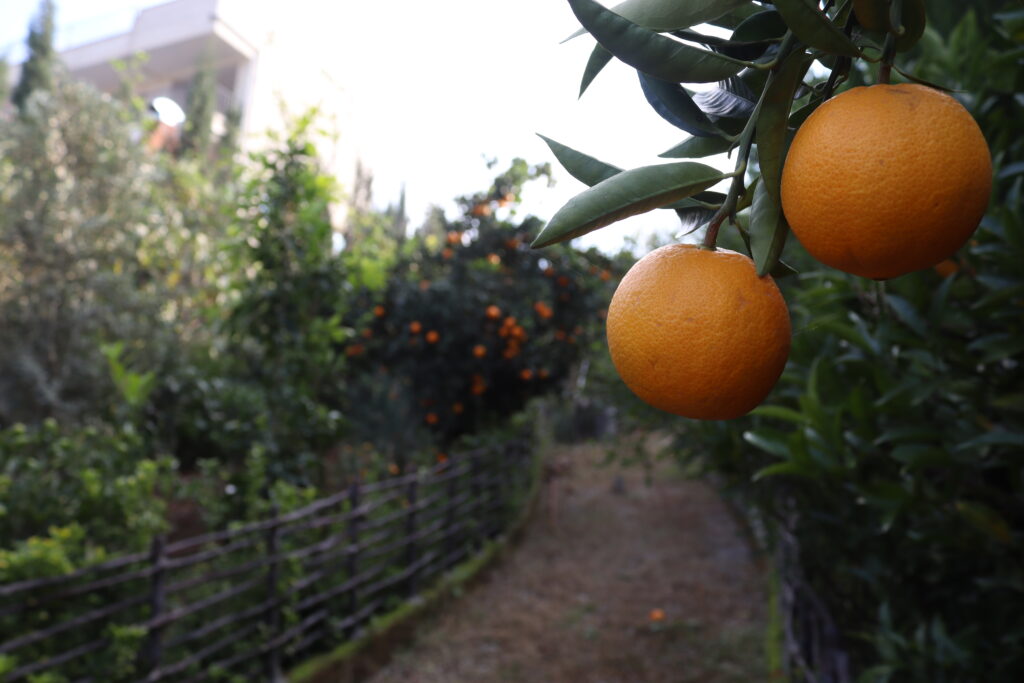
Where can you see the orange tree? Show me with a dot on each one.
(471, 324)
(885, 468)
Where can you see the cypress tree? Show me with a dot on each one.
(196, 137)
(37, 71)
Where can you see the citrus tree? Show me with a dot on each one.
(470, 324)
(862, 161)
(884, 470)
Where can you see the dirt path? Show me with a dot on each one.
(572, 601)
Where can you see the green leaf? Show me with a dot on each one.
(767, 444)
(670, 15)
(767, 25)
(650, 52)
(985, 519)
(780, 413)
(674, 104)
(582, 167)
(813, 28)
(907, 314)
(626, 194)
(773, 119)
(997, 437)
(792, 468)
(917, 455)
(697, 147)
(768, 230)
(599, 59)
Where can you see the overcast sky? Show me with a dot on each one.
(442, 85)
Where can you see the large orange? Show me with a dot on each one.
(886, 179)
(697, 333)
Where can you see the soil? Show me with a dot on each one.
(575, 599)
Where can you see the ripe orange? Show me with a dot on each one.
(415, 326)
(886, 179)
(479, 351)
(697, 333)
(432, 336)
(493, 312)
(431, 418)
(379, 311)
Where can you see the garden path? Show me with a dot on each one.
(576, 600)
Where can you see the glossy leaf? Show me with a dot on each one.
(675, 105)
(814, 28)
(767, 25)
(670, 15)
(732, 48)
(732, 98)
(790, 468)
(698, 147)
(773, 119)
(768, 230)
(582, 167)
(768, 444)
(691, 219)
(650, 52)
(599, 59)
(626, 194)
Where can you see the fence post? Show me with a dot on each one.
(352, 556)
(476, 491)
(149, 654)
(273, 661)
(451, 539)
(410, 532)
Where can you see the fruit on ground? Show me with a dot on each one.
(697, 333)
(886, 179)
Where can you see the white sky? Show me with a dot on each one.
(441, 85)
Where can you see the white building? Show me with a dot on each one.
(264, 62)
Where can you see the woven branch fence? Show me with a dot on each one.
(248, 602)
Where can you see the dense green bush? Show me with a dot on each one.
(70, 498)
(887, 461)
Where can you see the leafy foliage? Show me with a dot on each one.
(885, 469)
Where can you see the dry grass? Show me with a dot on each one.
(572, 601)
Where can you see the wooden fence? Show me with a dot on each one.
(248, 602)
